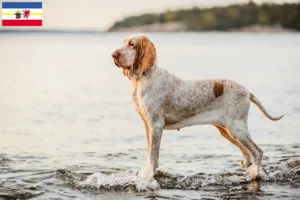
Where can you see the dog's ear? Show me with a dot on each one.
(145, 55)
(126, 73)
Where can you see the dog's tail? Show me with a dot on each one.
(262, 109)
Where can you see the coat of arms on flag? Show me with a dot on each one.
(22, 14)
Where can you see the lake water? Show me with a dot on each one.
(68, 129)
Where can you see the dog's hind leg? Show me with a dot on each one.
(239, 131)
(246, 162)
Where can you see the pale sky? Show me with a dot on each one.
(100, 14)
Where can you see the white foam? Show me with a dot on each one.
(118, 181)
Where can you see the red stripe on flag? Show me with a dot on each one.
(22, 22)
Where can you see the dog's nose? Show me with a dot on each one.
(115, 54)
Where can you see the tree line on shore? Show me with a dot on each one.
(234, 16)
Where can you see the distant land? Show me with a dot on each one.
(249, 17)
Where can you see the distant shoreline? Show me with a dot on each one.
(157, 28)
(246, 17)
(179, 27)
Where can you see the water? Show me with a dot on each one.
(68, 129)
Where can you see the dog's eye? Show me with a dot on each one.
(131, 44)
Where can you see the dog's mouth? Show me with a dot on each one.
(120, 66)
(116, 63)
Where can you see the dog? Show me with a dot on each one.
(167, 102)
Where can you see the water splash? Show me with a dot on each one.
(287, 170)
(284, 171)
(118, 182)
(108, 180)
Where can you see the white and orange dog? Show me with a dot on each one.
(165, 101)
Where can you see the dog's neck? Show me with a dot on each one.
(135, 77)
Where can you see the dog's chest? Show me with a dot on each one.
(136, 100)
(144, 97)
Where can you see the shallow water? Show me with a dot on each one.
(68, 129)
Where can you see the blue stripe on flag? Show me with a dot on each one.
(23, 5)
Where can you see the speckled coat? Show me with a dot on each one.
(165, 101)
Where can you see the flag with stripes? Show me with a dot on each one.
(22, 14)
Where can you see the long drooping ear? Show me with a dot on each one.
(146, 55)
(126, 73)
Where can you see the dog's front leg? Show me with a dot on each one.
(156, 124)
(146, 129)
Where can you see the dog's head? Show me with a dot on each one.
(136, 54)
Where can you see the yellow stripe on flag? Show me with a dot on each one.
(12, 14)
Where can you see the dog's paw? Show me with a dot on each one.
(253, 172)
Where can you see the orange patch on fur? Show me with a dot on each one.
(218, 89)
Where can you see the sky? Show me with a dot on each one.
(101, 14)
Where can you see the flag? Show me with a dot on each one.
(22, 14)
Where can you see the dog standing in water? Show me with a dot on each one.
(164, 101)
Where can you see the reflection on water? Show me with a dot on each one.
(253, 186)
(68, 129)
